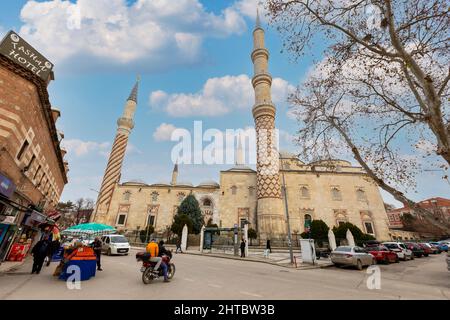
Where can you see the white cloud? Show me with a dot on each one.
(148, 34)
(81, 148)
(217, 97)
(248, 9)
(164, 132)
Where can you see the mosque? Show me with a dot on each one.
(333, 191)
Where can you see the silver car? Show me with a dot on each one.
(352, 256)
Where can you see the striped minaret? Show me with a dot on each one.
(271, 221)
(114, 166)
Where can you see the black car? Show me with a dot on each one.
(416, 249)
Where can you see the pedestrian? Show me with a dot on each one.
(39, 252)
(97, 246)
(268, 246)
(179, 246)
(243, 248)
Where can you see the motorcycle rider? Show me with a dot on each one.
(163, 251)
(153, 249)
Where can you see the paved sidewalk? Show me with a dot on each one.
(8, 266)
(280, 258)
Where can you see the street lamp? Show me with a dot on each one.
(287, 212)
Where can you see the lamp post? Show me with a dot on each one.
(291, 253)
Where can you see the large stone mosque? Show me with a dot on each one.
(333, 191)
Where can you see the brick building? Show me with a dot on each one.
(33, 171)
(439, 207)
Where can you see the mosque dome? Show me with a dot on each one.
(184, 184)
(209, 184)
(161, 183)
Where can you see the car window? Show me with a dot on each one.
(119, 239)
(107, 239)
(402, 246)
(344, 249)
(391, 245)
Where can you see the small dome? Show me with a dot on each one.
(184, 184)
(161, 183)
(241, 168)
(288, 155)
(331, 162)
(209, 183)
(135, 182)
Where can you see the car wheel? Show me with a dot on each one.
(386, 260)
(108, 252)
(411, 257)
(359, 265)
(397, 260)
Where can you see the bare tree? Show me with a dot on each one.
(393, 59)
(329, 127)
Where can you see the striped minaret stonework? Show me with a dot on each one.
(114, 166)
(271, 220)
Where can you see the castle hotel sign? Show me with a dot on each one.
(20, 51)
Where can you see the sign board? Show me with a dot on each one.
(35, 219)
(23, 54)
(9, 220)
(7, 187)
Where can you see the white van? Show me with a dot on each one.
(115, 244)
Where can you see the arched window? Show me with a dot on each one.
(126, 195)
(304, 192)
(181, 196)
(336, 194)
(233, 190)
(361, 195)
(207, 202)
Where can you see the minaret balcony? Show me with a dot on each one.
(263, 109)
(261, 78)
(259, 52)
(125, 122)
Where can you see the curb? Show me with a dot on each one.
(306, 267)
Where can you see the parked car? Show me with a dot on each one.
(352, 256)
(434, 248)
(383, 254)
(400, 249)
(415, 248)
(442, 245)
(426, 249)
(115, 244)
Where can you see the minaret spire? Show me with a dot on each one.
(174, 174)
(134, 92)
(239, 152)
(258, 22)
(113, 169)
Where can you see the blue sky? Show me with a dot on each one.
(190, 51)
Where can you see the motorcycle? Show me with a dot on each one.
(148, 274)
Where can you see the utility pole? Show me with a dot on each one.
(291, 253)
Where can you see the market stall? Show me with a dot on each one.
(84, 260)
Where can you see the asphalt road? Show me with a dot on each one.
(199, 277)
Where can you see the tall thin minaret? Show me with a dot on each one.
(174, 174)
(271, 220)
(114, 166)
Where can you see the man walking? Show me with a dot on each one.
(243, 248)
(97, 246)
(39, 252)
(179, 246)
